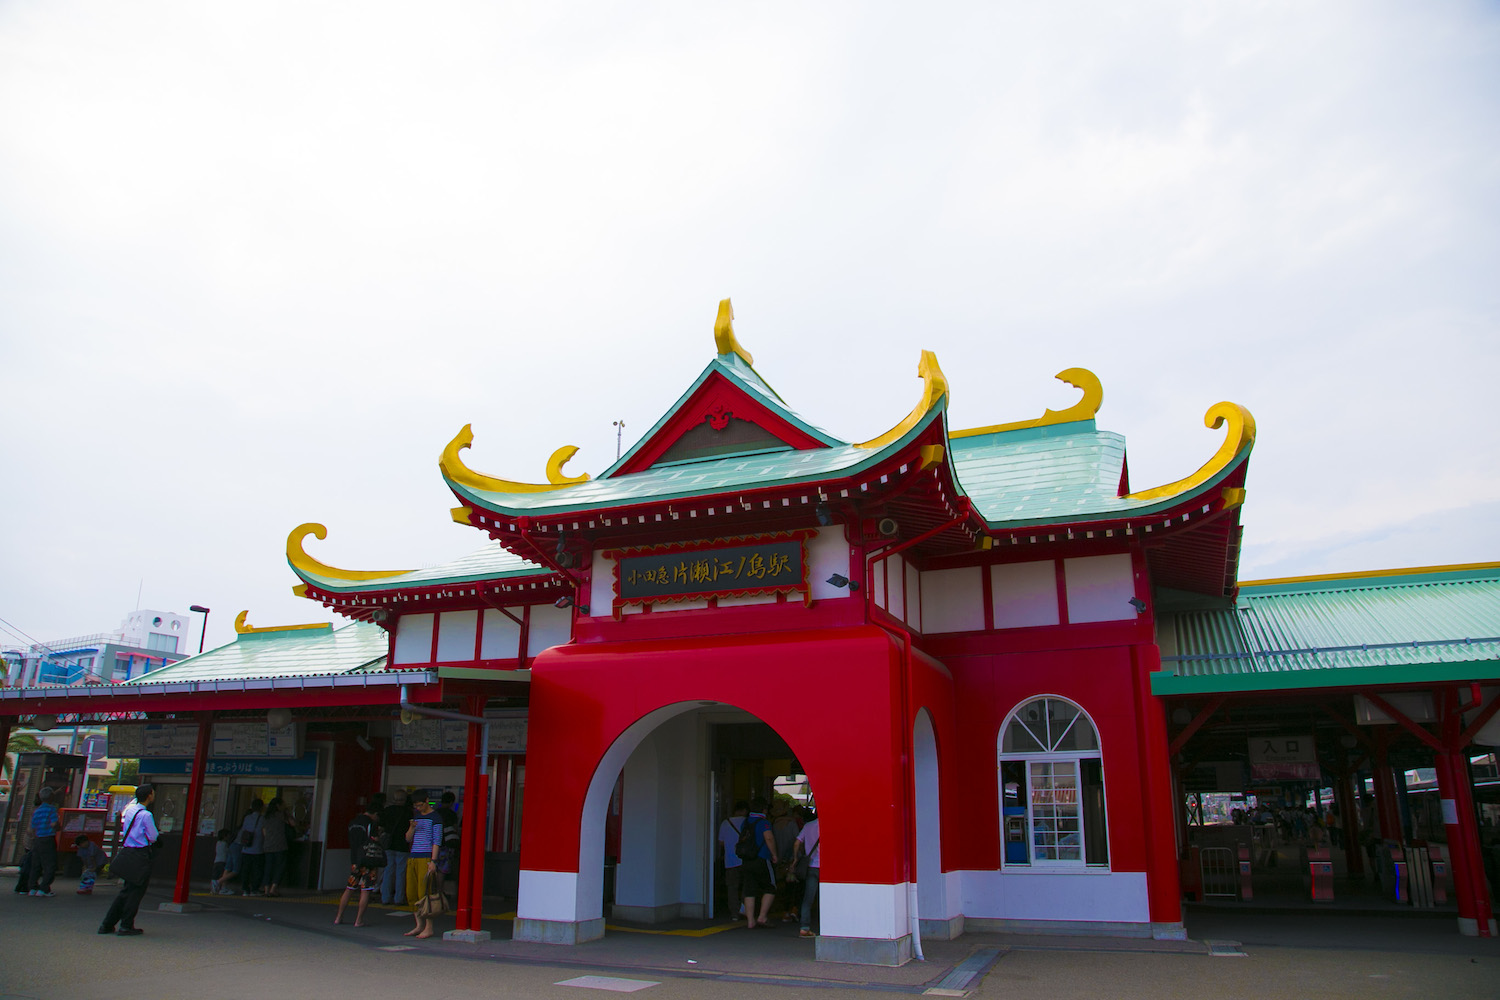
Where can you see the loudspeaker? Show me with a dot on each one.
(888, 527)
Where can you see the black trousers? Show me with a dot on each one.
(122, 911)
(44, 863)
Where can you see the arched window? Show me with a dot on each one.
(1051, 788)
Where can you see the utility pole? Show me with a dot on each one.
(619, 436)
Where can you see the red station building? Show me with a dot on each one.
(995, 660)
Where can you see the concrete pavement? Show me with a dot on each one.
(255, 948)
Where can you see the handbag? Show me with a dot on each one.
(434, 902)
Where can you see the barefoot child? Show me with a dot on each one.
(221, 874)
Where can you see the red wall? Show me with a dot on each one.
(990, 687)
(832, 694)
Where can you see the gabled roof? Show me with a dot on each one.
(294, 652)
(1393, 627)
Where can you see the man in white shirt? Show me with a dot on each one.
(808, 843)
(133, 859)
(729, 834)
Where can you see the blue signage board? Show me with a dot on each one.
(254, 767)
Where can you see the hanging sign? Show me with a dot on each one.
(689, 571)
(1284, 758)
(152, 739)
(507, 735)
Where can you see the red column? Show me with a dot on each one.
(465, 884)
(194, 800)
(1387, 806)
(476, 811)
(1475, 912)
(1163, 875)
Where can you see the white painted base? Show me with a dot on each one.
(1469, 927)
(1040, 896)
(557, 931)
(179, 907)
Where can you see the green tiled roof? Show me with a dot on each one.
(1043, 475)
(488, 563)
(312, 652)
(1380, 629)
(719, 475)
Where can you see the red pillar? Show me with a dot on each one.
(465, 884)
(1387, 806)
(1476, 915)
(1163, 874)
(194, 801)
(476, 811)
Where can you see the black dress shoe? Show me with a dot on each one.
(129, 931)
(105, 930)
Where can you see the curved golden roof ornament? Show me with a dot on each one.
(724, 338)
(934, 388)
(1241, 435)
(1085, 409)
(242, 627)
(454, 468)
(304, 563)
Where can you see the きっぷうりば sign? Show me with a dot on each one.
(676, 573)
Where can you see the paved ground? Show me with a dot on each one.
(289, 949)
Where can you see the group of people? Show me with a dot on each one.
(404, 853)
(255, 852)
(784, 866)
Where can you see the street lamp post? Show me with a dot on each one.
(204, 634)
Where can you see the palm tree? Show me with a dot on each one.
(21, 743)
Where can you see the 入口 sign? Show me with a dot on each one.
(1284, 758)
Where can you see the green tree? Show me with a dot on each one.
(21, 743)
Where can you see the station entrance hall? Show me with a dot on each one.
(1015, 686)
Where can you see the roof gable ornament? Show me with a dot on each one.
(724, 338)
(934, 388)
(454, 469)
(1240, 437)
(1085, 409)
(243, 627)
(306, 565)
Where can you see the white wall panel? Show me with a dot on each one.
(1099, 588)
(877, 582)
(502, 635)
(548, 627)
(414, 639)
(735, 602)
(1024, 594)
(953, 600)
(861, 910)
(549, 896)
(1087, 896)
(896, 567)
(914, 599)
(827, 554)
(456, 634)
(601, 586)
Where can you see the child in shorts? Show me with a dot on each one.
(93, 858)
(221, 872)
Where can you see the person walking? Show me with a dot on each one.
(132, 863)
(274, 845)
(394, 820)
(759, 878)
(44, 827)
(729, 834)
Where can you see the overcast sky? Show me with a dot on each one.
(259, 262)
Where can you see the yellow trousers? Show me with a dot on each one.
(416, 879)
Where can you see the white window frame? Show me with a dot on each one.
(1051, 756)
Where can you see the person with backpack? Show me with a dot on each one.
(729, 834)
(806, 851)
(366, 859)
(757, 848)
(449, 817)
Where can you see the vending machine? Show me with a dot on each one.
(64, 773)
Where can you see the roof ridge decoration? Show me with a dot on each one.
(242, 627)
(454, 469)
(306, 565)
(1240, 437)
(934, 388)
(1085, 409)
(724, 338)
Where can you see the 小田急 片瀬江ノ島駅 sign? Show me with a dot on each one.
(769, 564)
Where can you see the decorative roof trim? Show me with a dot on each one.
(306, 565)
(1372, 574)
(454, 469)
(934, 388)
(1240, 437)
(1085, 409)
(242, 628)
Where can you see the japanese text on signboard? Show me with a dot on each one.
(752, 567)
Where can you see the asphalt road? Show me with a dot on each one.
(256, 950)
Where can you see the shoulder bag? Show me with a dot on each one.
(133, 864)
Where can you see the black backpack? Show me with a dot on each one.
(746, 848)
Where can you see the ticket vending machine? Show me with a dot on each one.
(1016, 852)
(64, 773)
